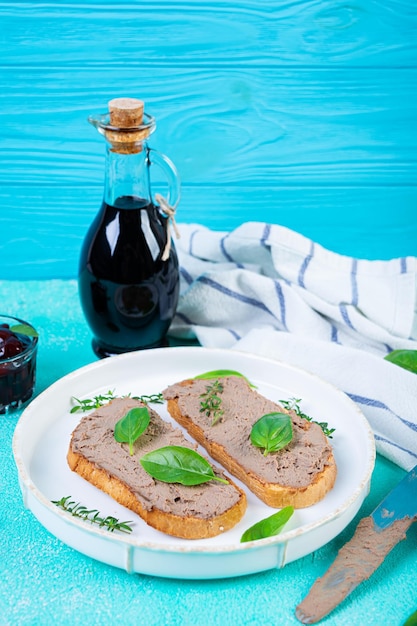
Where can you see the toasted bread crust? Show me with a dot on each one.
(182, 527)
(273, 494)
(185, 527)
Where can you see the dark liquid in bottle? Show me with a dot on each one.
(128, 293)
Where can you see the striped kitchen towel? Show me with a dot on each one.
(269, 290)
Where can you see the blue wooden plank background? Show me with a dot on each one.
(299, 113)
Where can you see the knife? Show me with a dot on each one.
(374, 538)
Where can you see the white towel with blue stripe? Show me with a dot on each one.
(268, 290)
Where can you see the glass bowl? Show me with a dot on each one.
(18, 348)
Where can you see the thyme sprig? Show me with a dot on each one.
(92, 403)
(153, 398)
(293, 404)
(101, 399)
(92, 515)
(210, 405)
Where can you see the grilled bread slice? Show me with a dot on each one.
(299, 475)
(189, 512)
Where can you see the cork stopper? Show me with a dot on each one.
(125, 114)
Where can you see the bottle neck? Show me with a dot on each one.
(127, 175)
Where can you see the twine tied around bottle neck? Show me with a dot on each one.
(170, 212)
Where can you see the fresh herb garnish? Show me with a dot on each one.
(94, 403)
(293, 405)
(210, 405)
(177, 464)
(269, 526)
(153, 398)
(272, 432)
(131, 426)
(24, 329)
(92, 515)
(406, 359)
(100, 400)
(222, 374)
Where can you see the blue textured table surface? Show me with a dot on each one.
(44, 582)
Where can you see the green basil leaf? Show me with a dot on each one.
(177, 464)
(272, 432)
(24, 329)
(222, 374)
(131, 426)
(411, 620)
(406, 359)
(269, 526)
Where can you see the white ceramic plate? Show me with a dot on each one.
(43, 433)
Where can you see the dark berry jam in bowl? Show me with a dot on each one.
(18, 347)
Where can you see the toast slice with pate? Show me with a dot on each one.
(300, 474)
(189, 512)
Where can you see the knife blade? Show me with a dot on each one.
(374, 537)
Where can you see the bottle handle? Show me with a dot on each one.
(166, 165)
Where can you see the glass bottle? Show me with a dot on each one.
(128, 272)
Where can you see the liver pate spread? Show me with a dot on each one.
(355, 562)
(94, 439)
(296, 465)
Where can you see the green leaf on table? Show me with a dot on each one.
(272, 432)
(177, 464)
(131, 426)
(269, 526)
(412, 620)
(406, 359)
(221, 374)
